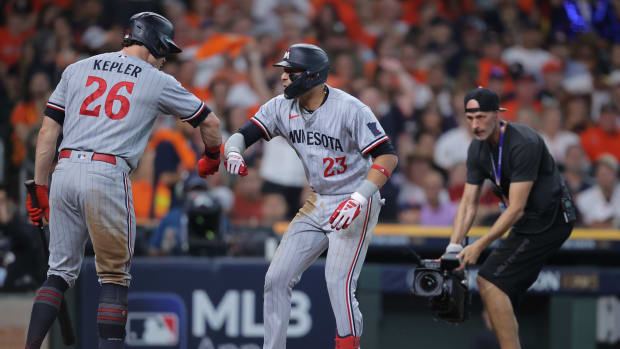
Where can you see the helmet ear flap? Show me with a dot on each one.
(161, 49)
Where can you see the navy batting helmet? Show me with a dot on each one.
(154, 31)
(310, 59)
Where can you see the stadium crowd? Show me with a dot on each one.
(555, 64)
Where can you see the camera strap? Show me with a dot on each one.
(497, 170)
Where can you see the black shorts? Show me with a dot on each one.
(515, 264)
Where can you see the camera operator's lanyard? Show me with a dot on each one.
(497, 171)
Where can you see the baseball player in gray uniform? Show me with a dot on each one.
(347, 157)
(105, 107)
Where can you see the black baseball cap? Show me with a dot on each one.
(487, 99)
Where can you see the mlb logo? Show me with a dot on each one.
(156, 320)
(152, 329)
(82, 156)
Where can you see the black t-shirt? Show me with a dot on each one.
(525, 157)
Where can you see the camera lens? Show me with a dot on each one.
(428, 283)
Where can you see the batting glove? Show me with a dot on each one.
(235, 164)
(210, 162)
(36, 213)
(346, 212)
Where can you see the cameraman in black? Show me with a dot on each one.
(534, 203)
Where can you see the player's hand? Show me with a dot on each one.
(207, 166)
(235, 164)
(469, 255)
(36, 213)
(346, 212)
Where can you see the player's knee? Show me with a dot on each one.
(276, 281)
(68, 277)
(112, 312)
(56, 282)
(271, 282)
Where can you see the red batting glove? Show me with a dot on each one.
(346, 212)
(207, 166)
(210, 162)
(35, 213)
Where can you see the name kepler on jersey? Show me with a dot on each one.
(315, 138)
(129, 69)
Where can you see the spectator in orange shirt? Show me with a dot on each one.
(174, 155)
(27, 114)
(604, 137)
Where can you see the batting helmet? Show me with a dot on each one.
(154, 31)
(312, 60)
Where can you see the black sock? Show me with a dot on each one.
(44, 310)
(112, 316)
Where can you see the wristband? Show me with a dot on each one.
(381, 169)
(213, 152)
(454, 248)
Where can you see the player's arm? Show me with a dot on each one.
(382, 166)
(236, 145)
(212, 138)
(174, 99)
(211, 132)
(385, 161)
(46, 150)
(44, 157)
(211, 135)
(262, 125)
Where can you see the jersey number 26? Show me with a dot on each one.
(109, 100)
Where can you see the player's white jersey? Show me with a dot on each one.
(332, 142)
(110, 102)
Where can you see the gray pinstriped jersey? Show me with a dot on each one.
(333, 142)
(111, 101)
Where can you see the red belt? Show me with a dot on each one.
(110, 159)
